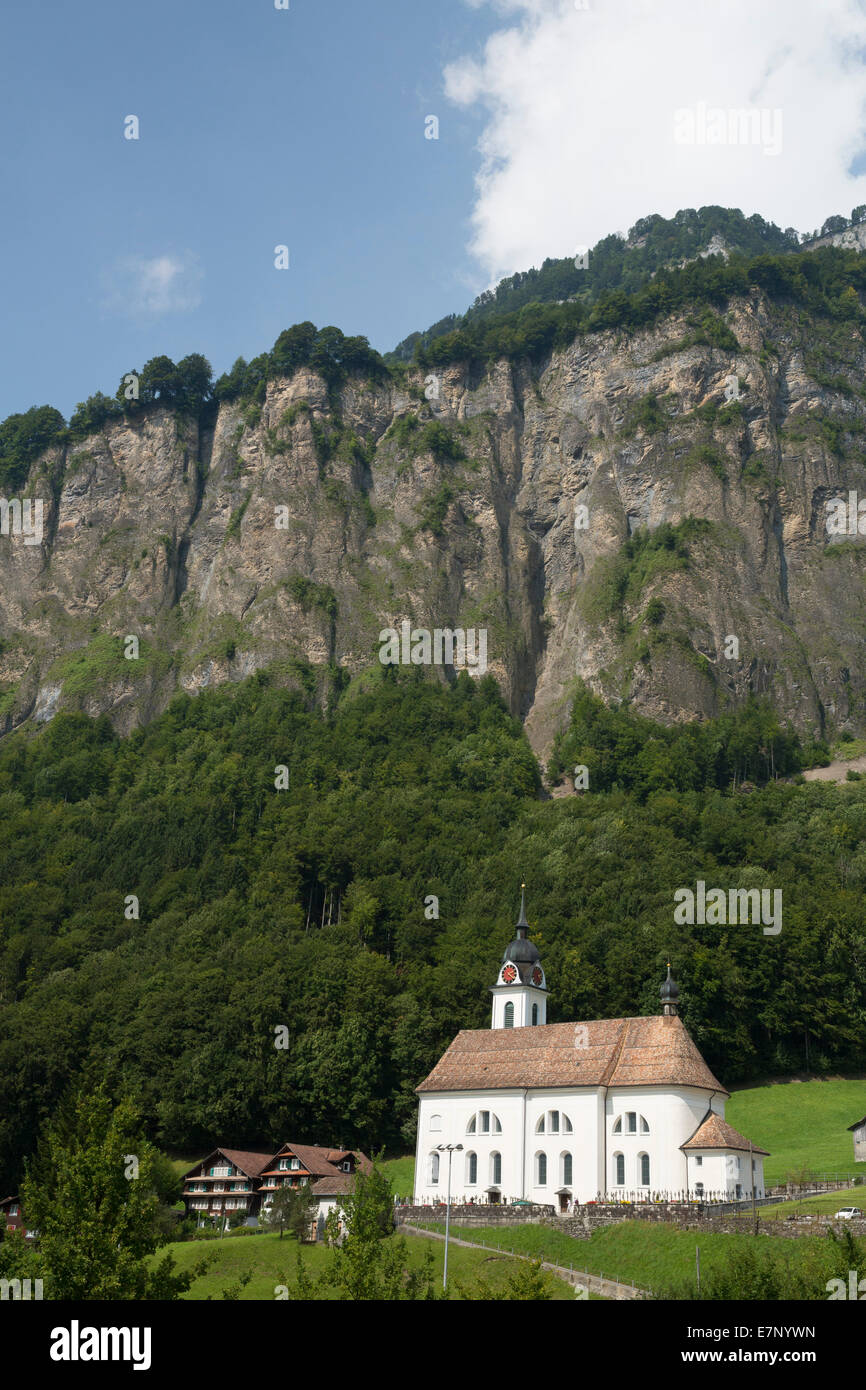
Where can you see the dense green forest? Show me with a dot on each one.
(310, 908)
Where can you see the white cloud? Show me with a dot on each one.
(141, 287)
(580, 133)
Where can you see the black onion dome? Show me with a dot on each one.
(521, 950)
(670, 990)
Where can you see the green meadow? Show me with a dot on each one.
(272, 1263)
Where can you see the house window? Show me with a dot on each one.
(534, 1015)
(509, 1015)
(566, 1170)
(223, 1172)
(699, 1160)
(471, 1169)
(347, 1166)
(644, 1169)
(566, 1125)
(435, 1121)
(13, 1210)
(541, 1169)
(619, 1168)
(295, 1163)
(283, 1164)
(496, 1169)
(434, 1169)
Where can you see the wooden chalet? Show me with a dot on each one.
(224, 1182)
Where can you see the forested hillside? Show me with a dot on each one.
(311, 907)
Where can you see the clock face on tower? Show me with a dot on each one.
(537, 976)
(509, 975)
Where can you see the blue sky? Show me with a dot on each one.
(306, 127)
(257, 128)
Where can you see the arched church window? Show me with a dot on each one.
(509, 1015)
(631, 1121)
(541, 1169)
(566, 1170)
(484, 1121)
(554, 1121)
(619, 1169)
(539, 1128)
(470, 1128)
(644, 1127)
(497, 1127)
(617, 1125)
(644, 1162)
(434, 1169)
(471, 1169)
(435, 1121)
(566, 1125)
(534, 1015)
(496, 1169)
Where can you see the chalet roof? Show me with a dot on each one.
(318, 1160)
(252, 1164)
(314, 1158)
(651, 1051)
(858, 1123)
(716, 1133)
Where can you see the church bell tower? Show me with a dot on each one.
(520, 992)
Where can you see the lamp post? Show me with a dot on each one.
(449, 1149)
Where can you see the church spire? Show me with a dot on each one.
(519, 995)
(669, 995)
(522, 924)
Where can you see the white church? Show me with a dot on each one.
(622, 1109)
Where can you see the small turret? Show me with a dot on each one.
(669, 995)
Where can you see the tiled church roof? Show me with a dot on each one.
(716, 1133)
(652, 1051)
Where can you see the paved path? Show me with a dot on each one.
(579, 1279)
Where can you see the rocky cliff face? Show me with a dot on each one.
(289, 536)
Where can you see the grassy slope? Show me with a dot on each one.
(401, 1172)
(634, 1252)
(273, 1262)
(803, 1124)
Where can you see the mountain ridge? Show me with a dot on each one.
(705, 514)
